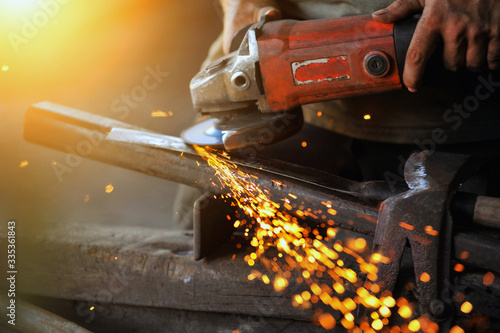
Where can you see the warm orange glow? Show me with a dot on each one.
(464, 255)
(304, 144)
(459, 268)
(488, 278)
(367, 117)
(319, 114)
(23, 164)
(18, 6)
(86, 198)
(466, 307)
(109, 188)
(425, 277)
(327, 321)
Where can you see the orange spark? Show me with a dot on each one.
(23, 164)
(109, 188)
(414, 325)
(327, 321)
(466, 307)
(488, 278)
(158, 114)
(429, 230)
(425, 277)
(406, 226)
(456, 329)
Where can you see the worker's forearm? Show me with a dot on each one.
(240, 13)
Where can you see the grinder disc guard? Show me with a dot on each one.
(241, 130)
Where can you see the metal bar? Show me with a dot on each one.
(31, 318)
(77, 132)
(74, 131)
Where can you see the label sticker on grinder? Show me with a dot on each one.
(321, 70)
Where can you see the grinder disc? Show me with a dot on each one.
(203, 134)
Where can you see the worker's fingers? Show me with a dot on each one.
(477, 48)
(240, 13)
(493, 54)
(272, 13)
(421, 48)
(455, 43)
(398, 10)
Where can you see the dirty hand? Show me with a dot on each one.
(240, 13)
(470, 30)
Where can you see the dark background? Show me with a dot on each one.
(86, 56)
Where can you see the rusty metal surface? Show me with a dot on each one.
(421, 217)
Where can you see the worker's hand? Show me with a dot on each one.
(470, 30)
(240, 13)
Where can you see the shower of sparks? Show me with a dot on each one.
(302, 251)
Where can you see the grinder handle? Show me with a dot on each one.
(403, 34)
